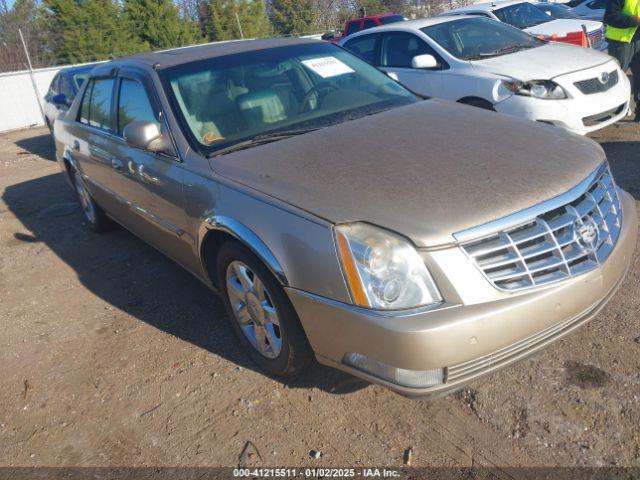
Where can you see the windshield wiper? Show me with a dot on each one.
(501, 51)
(261, 140)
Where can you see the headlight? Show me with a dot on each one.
(383, 270)
(545, 89)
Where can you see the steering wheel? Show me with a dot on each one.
(317, 88)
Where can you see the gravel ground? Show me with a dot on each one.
(113, 355)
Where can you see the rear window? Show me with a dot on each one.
(353, 27)
(391, 19)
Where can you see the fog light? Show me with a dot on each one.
(399, 376)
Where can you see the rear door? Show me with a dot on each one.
(153, 180)
(95, 144)
(397, 50)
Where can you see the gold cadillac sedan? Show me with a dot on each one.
(418, 244)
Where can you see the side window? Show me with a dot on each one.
(84, 106)
(399, 48)
(96, 104)
(65, 87)
(369, 24)
(364, 47)
(597, 5)
(352, 27)
(134, 104)
(53, 88)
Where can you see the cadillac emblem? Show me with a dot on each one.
(586, 234)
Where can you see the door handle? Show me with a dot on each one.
(117, 164)
(145, 177)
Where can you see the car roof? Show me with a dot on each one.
(374, 17)
(406, 26)
(78, 68)
(178, 56)
(486, 6)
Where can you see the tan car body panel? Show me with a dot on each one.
(426, 170)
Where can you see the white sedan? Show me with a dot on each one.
(489, 64)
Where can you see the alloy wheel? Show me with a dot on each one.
(253, 309)
(85, 200)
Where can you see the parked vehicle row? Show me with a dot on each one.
(481, 62)
(416, 244)
(530, 18)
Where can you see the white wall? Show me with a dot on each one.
(18, 102)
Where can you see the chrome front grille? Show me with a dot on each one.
(596, 85)
(554, 245)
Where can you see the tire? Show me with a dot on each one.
(263, 318)
(478, 102)
(98, 220)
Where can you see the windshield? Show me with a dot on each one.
(558, 11)
(522, 15)
(232, 99)
(475, 38)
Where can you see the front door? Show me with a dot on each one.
(153, 180)
(397, 50)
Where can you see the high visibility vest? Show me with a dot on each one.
(631, 8)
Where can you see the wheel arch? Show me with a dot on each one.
(69, 165)
(216, 230)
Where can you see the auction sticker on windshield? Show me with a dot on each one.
(327, 67)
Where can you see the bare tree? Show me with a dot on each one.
(23, 15)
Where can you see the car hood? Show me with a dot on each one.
(561, 27)
(426, 170)
(543, 63)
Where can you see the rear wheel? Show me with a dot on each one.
(261, 314)
(98, 220)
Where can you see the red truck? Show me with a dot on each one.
(362, 23)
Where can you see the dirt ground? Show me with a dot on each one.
(110, 354)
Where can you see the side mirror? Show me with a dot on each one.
(146, 136)
(424, 61)
(328, 36)
(60, 100)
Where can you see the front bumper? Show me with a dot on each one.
(469, 339)
(580, 113)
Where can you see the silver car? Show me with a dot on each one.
(416, 244)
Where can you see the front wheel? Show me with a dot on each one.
(261, 314)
